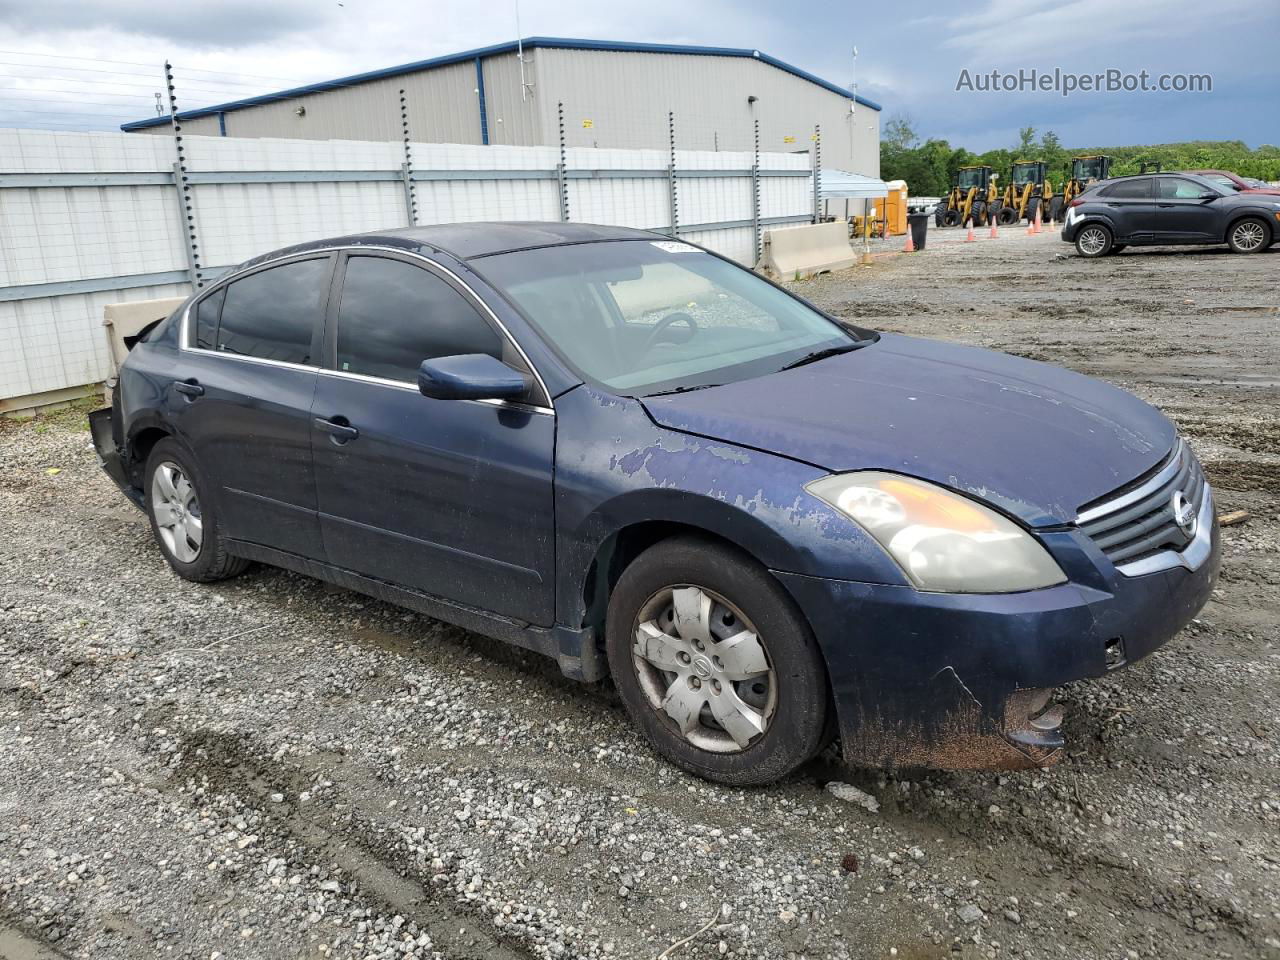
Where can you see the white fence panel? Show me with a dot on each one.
(88, 219)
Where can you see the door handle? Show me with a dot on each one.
(338, 428)
(188, 388)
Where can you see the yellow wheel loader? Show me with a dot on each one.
(971, 198)
(1085, 172)
(1027, 191)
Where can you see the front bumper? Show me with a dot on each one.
(955, 680)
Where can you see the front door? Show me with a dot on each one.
(251, 352)
(449, 497)
(1182, 215)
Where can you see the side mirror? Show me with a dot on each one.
(470, 376)
(1209, 196)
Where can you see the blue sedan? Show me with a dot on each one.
(769, 527)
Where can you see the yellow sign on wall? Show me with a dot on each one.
(788, 139)
(588, 124)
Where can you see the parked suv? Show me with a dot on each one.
(1169, 208)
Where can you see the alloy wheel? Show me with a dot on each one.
(1092, 241)
(702, 664)
(177, 512)
(1248, 236)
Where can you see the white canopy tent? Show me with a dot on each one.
(846, 186)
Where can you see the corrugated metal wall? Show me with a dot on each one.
(128, 234)
(626, 98)
(612, 99)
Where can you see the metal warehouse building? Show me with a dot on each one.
(613, 95)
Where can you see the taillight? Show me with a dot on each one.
(1076, 202)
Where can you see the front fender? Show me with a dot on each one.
(615, 468)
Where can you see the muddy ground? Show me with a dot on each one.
(270, 767)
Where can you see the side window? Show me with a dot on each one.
(1139, 189)
(272, 314)
(393, 315)
(1175, 188)
(207, 310)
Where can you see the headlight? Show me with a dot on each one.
(944, 542)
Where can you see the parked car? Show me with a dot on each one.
(1225, 178)
(1169, 208)
(643, 460)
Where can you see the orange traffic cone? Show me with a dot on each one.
(1037, 230)
(910, 245)
(970, 238)
(993, 234)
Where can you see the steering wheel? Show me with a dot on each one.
(662, 326)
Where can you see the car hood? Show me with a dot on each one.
(1034, 439)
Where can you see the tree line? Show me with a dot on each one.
(929, 167)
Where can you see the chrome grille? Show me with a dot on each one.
(1137, 521)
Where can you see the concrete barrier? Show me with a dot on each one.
(808, 250)
(126, 319)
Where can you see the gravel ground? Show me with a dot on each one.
(270, 767)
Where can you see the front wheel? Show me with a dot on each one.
(183, 518)
(715, 664)
(1250, 235)
(1093, 240)
(1007, 216)
(951, 218)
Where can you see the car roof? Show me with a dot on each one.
(466, 241)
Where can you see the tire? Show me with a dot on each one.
(775, 720)
(1093, 240)
(1032, 206)
(1055, 208)
(184, 519)
(939, 212)
(978, 214)
(1007, 216)
(951, 218)
(1249, 235)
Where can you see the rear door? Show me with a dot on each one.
(1129, 205)
(449, 497)
(1182, 215)
(250, 357)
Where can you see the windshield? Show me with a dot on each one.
(969, 178)
(1024, 173)
(643, 317)
(1087, 169)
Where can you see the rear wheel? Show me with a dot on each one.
(1093, 240)
(939, 214)
(951, 218)
(1250, 235)
(715, 664)
(183, 518)
(978, 214)
(1032, 206)
(1007, 216)
(1055, 208)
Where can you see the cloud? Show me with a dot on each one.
(199, 26)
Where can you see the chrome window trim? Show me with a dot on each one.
(478, 300)
(1191, 557)
(1166, 473)
(413, 388)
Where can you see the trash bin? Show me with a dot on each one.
(919, 228)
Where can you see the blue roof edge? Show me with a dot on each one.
(559, 43)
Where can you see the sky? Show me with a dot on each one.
(92, 64)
